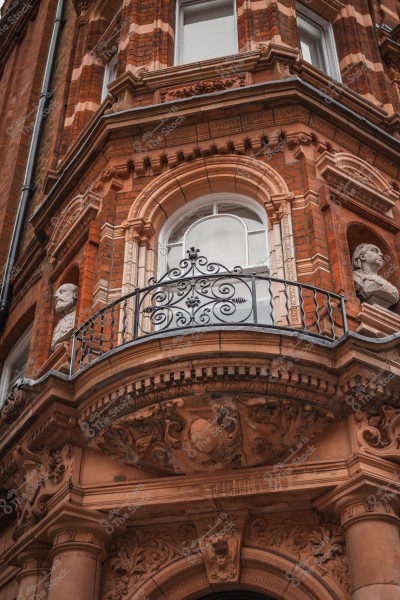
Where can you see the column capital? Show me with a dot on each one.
(33, 559)
(74, 529)
(362, 498)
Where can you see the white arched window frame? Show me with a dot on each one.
(212, 204)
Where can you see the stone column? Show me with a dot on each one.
(372, 532)
(77, 553)
(35, 572)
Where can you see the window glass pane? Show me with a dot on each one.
(208, 30)
(306, 51)
(257, 248)
(174, 256)
(220, 239)
(312, 36)
(110, 72)
(187, 220)
(252, 220)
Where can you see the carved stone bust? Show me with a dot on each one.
(65, 303)
(371, 287)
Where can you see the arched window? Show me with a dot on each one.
(227, 228)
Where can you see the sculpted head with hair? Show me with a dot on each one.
(65, 305)
(371, 287)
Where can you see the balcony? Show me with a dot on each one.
(201, 294)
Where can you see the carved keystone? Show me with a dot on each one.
(220, 537)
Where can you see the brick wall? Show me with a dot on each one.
(146, 41)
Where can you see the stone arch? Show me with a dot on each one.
(178, 187)
(70, 226)
(263, 572)
(358, 179)
(362, 170)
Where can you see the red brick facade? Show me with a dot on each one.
(320, 159)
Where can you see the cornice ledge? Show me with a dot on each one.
(333, 91)
(206, 69)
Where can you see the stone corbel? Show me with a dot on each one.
(138, 231)
(378, 431)
(41, 473)
(122, 91)
(81, 6)
(298, 141)
(278, 206)
(220, 539)
(117, 173)
(281, 58)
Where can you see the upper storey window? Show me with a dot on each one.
(205, 29)
(110, 72)
(317, 41)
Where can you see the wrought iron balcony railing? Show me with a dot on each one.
(201, 294)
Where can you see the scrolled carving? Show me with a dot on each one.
(135, 556)
(316, 543)
(147, 437)
(41, 472)
(210, 431)
(379, 431)
(204, 87)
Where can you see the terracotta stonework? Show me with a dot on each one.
(179, 426)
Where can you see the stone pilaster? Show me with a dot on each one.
(78, 549)
(372, 532)
(34, 576)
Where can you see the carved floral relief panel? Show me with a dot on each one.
(209, 432)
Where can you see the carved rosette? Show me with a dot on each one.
(378, 431)
(41, 473)
(208, 433)
(316, 544)
(136, 555)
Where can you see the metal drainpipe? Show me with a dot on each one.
(28, 184)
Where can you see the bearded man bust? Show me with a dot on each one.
(371, 287)
(65, 304)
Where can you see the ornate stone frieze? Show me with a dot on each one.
(204, 87)
(378, 431)
(210, 432)
(136, 555)
(41, 473)
(15, 403)
(317, 544)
